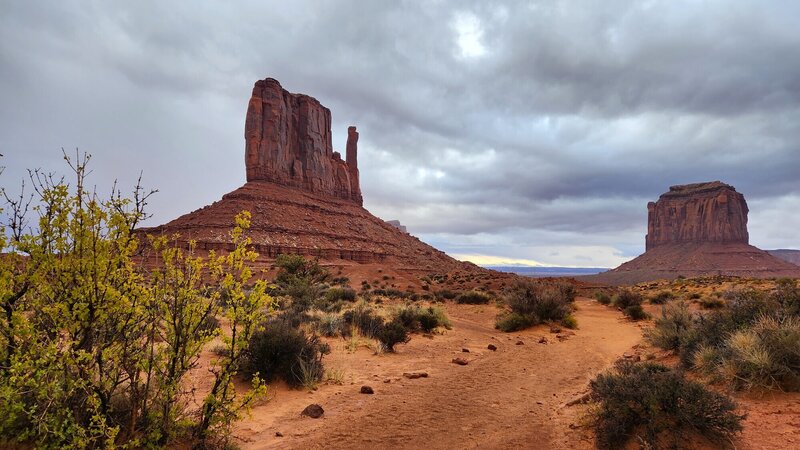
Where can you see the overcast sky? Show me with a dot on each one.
(496, 131)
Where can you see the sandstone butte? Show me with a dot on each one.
(305, 199)
(698, 230)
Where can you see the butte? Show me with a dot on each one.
(306, 200)
(698, 230)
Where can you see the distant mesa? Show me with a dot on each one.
(793, 256)
(304, 198)
(398, 225)
(695, 230)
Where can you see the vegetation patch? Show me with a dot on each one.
(659, 407)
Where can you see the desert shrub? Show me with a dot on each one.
(445, 294)
(694, 296)
(533, 303)
(662, 298)
(712, 303)
(787, 294)
(281, 351)
(627, 298)
(671, 330)
(336, 294)
(658, 406)
(635, 312)
(364, 319)
(391, 334)
(512, 321)
(425, 319)
(301, 280)
(473, 298)
(570, 322)
(603, 298)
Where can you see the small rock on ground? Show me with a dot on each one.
(313, 410)
(415, 375)
(367, 390)
(492, 347)
(520, 343)
(460, 361)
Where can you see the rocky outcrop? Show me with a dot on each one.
(697, 213)
(697, 230)
(288, 142)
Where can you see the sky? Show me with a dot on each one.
(499, 132)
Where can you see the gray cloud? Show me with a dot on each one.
(547, 133)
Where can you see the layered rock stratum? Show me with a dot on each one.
(304, 199)
(697, 230)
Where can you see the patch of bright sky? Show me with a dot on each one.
(469, 35)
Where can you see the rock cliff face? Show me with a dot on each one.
(305, 200)
(697, 213)
(696, 230)
(288, 142)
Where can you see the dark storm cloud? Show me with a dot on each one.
(491, 126)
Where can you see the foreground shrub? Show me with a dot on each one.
(658, 406)
(635, 312)
(281, 351)
(391, 334)
(473, 298)
(364, 319)
(301, 280)
(94, 353)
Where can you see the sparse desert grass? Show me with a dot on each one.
(603, 298)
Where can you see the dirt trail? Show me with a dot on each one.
(512, 397)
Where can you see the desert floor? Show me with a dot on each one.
(514, 397)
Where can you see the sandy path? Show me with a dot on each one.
(509, 398)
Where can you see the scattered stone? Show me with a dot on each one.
(465, 350)
(415, 375)
(635, 357)
(388, 380)
(543, 340)
(367, 390)
(278, 434)
(492, 347)
(520, 343)
(460, 361)
(313, 410)
(555, 330)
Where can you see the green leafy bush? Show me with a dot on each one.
(336, 294)
(658, 406)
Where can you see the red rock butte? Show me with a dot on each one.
(304, 199)
(695, 230)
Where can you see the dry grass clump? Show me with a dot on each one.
(753, 342)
